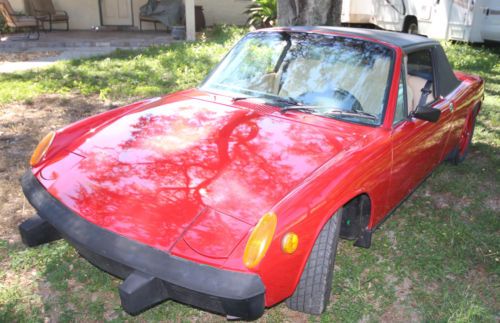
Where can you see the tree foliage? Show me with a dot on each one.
(309, 12)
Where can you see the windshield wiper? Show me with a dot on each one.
(283, 100)
(301, 108)
(361, 114)
(287, 100)
(313, 109)
(242, 98)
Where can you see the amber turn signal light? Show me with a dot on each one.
(259, 240)
(42, 148)
(290, 242)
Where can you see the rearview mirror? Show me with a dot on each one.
(427, 113)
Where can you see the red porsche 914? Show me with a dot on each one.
(232, 196)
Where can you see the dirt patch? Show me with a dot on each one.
(22, 125)
(16, 286)
(391, 236)
(485, 283)
(493, 203)
(443, 201)
(448, 200)
(399, 311)
(27, 56)
(111, 315)
(390, 279)
(50, 296)
(292, 316)
(403, 289)
(431, 287)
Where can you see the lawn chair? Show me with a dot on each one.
(148, 19)
(19, 21)
(45, 11)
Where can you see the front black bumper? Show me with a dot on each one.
(151, 275)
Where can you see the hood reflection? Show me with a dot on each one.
(149, 174)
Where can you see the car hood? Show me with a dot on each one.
(187, 168)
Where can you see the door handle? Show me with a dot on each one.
(451, 106)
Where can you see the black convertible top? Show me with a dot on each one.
(407, 42)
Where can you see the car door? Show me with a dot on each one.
(417, 145)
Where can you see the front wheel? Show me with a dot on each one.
(313, 291)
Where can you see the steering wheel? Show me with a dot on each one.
(340, 98)
(349, 100)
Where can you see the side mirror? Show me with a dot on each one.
(427, 113)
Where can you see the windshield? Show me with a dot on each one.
(326, 73)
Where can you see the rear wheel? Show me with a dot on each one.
(313, 291)
(465, 139)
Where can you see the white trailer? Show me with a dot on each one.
(390, 15)
(465, 20)
(474, 21)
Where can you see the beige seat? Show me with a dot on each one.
(269, 83)
(362, 81)
(17, 21)
(415, 85)
(296, 80)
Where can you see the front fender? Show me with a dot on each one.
(307, 209)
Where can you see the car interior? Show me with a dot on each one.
(418, 72)
(305, 74)
(346, 84)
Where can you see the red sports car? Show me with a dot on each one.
(232, 196)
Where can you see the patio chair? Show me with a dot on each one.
(45, 11)
(148, 19)
(166, 12)
(19, 21)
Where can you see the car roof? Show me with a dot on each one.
(407, 42)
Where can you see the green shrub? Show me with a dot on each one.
(3, 27)
(262, 13)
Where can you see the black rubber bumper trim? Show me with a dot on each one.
(221, 291)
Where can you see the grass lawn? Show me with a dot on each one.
(436, 259)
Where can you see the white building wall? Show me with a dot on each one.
(83, 14)
(17, 5)
(224, 11)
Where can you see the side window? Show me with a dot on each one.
(420, 79)
(401, 107)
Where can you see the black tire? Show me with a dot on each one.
(459, 157)
(313, 291)
(410, 25)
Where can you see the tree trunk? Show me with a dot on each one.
(309, 12)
